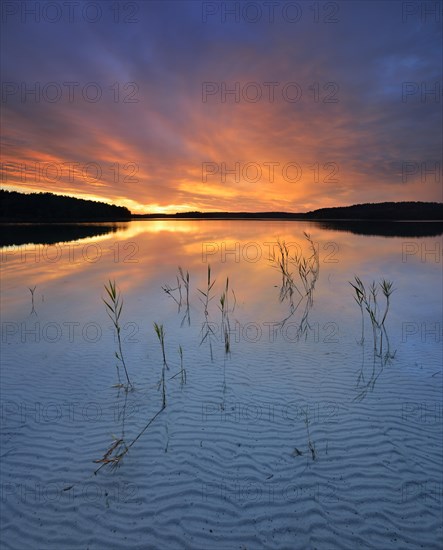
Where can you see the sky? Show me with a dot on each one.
(174, 106)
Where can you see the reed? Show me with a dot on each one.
(282, 263)
(185, 279)
(387, 290)
(360, 298)
(207, 292)
(311, 444)
(161, 337)
(367, 299)
(32, 290)
(114, 310)
(299, 274)
(312, 268)
(386, 287)
(363, 386)
(119, 448)
(169, 290)
(225, 324)
(205, 298)
(182, 371)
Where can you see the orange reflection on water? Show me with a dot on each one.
(142, 256)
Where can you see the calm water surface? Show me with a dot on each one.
(300, 437)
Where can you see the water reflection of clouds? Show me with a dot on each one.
(145, 255)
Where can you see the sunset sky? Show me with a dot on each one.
(129, 103)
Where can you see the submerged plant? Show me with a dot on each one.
(116, 452)
(299, 275)
(360, 298)
(161, 337)
(170, 292)
(368, 300)
(386, 287)
(225, 324)
(184, 278)
(365, 386)
(309, 268)
(207, 293)
(311, 445)
(114, 309)
(32, 290)
(182, 370)
(119, 448)
(207, 330)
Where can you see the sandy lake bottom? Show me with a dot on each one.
(282, 428)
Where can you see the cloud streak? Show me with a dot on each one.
(346, 111)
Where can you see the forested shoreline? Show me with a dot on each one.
(47, 207)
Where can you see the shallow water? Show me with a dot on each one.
(290, 440)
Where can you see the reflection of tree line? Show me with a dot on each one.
(412, 229)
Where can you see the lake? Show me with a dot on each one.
(287, 425)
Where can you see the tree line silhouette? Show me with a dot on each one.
(411, 210)
(387, 211)
(16, 206)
